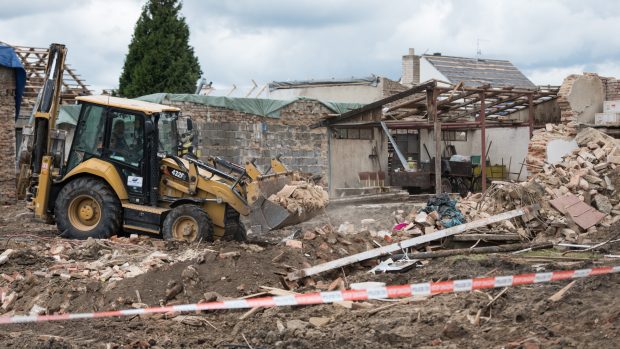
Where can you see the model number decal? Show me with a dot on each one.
(178, 174)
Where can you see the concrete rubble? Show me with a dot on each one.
(589, 172)
(299, 197)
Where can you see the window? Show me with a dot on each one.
(168, 142)
(88, 139)
(126, 138)
(452, 135)
(403, 131)
(353, 133)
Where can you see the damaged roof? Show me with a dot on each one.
(371, 80)
(257, 106)
(476, 72)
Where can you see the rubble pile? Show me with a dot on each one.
(586, 177)
(447, 212)
(102, 260)
(440, 212)
(299, 197)
(537, 147)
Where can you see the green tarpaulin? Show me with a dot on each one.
(264, 107)
(257, 106)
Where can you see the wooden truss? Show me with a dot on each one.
(34, 60)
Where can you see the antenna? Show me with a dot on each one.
(478, 49)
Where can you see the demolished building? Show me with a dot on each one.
(245, 129)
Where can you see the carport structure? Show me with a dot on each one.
(439, 106)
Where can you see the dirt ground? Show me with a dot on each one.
(82, 276)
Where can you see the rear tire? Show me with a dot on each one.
(188, 223)
(87, 207)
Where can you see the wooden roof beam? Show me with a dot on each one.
(487, 106)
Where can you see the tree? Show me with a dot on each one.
(160, 58)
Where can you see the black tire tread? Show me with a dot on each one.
(201, 217)
(111, 219)
(234, 229)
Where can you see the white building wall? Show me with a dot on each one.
(429, 72)
(507, 143)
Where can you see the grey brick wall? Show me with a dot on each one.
(239, 137)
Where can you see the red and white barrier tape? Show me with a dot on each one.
(397, 291)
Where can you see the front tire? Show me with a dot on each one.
(87, 207)
(188, 223)
(234, 230)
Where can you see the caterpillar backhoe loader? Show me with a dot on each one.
(125, 172)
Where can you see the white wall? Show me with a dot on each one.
(348, 157)
(428, 72)
(507, 142)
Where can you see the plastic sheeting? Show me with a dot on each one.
(9, 59)
(446, 208)
(257, 106)
(68, 114)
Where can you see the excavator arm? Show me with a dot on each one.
(42, 150)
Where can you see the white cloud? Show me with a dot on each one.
(553, 76)
(96, 34)
(279, 40)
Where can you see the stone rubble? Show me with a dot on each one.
(590, 172)
(300, 197)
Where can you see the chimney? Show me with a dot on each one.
(411, 69)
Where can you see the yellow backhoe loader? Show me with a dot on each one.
(126, 171)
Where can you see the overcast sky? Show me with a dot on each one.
(268, 40)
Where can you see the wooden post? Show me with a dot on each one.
(530, 119)
(483, 146)
(437, 133)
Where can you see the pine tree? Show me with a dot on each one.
(160, 58)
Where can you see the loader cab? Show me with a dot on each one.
(129, 135)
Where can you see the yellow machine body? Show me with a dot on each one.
(99, 191)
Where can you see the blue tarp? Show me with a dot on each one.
(9, 59)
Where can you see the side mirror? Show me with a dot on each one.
(189, 123)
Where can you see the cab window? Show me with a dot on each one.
(126, 138)
(88, 139)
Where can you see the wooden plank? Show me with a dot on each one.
(480, 250)
(487, 237)
(560, 294)
(381, 251)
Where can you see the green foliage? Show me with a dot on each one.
(160, 58)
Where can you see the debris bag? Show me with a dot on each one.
(449, 215)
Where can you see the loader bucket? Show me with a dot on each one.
(266, 215)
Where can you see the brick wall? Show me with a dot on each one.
(567, 114)
(239, 137)
(391, 87)
(612, 89)
(7, 135)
